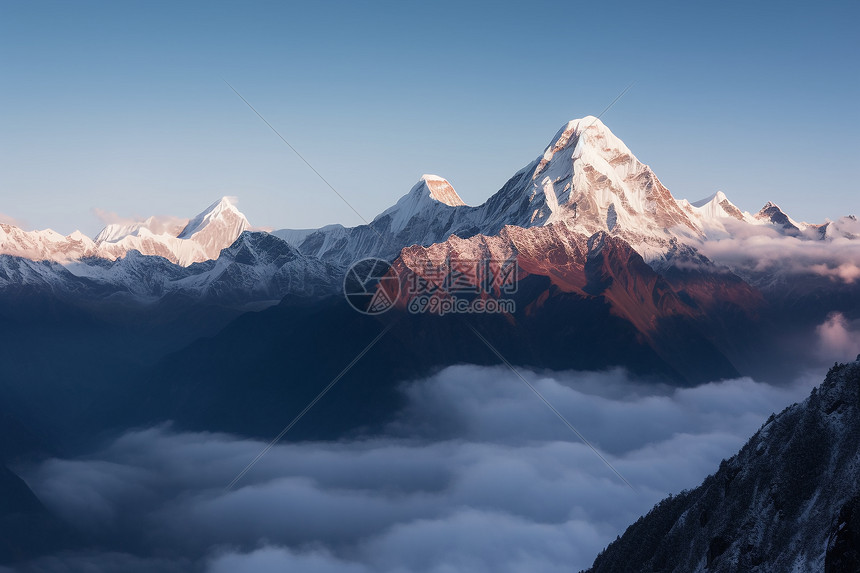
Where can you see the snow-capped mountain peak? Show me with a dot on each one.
(845, 227)
(44, 245)
(181, 241)
(438, 189)
(771, 213)
(222, 213)
(589, 178)
(717, 206)
(586, 179)
(584, 133)
(429, 197)
(178, 240)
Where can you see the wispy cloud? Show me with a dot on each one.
(9, 220)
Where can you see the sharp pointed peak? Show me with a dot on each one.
(773, 213)
(225, 206)
(585, 132)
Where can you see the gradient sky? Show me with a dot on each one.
(120, 106)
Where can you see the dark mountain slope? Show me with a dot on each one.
(27, 529)
(788, 501)
(272, 363)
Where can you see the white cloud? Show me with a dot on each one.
(475, 475)
(838, 338)
(763, 250)
(847, 272)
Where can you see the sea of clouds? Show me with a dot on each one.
(475, 475)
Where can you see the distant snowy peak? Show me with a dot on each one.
(178, 240)
(718, 205)
(216, 228)
(220, 215)
(842, 228)
(44, 245)
(713, 211)
(427, 198)
(771, 213)
(256, 268)
(772, 216)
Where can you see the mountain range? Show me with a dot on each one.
(203, 320)
(704, 288)
(180, 241)
(586, 182)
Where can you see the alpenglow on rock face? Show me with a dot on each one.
(788, 501)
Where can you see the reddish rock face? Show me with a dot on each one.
(599, 267)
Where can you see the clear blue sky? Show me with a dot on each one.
(120, 106)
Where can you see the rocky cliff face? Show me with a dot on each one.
(788, 501)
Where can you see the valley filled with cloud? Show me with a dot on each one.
(475, 474)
